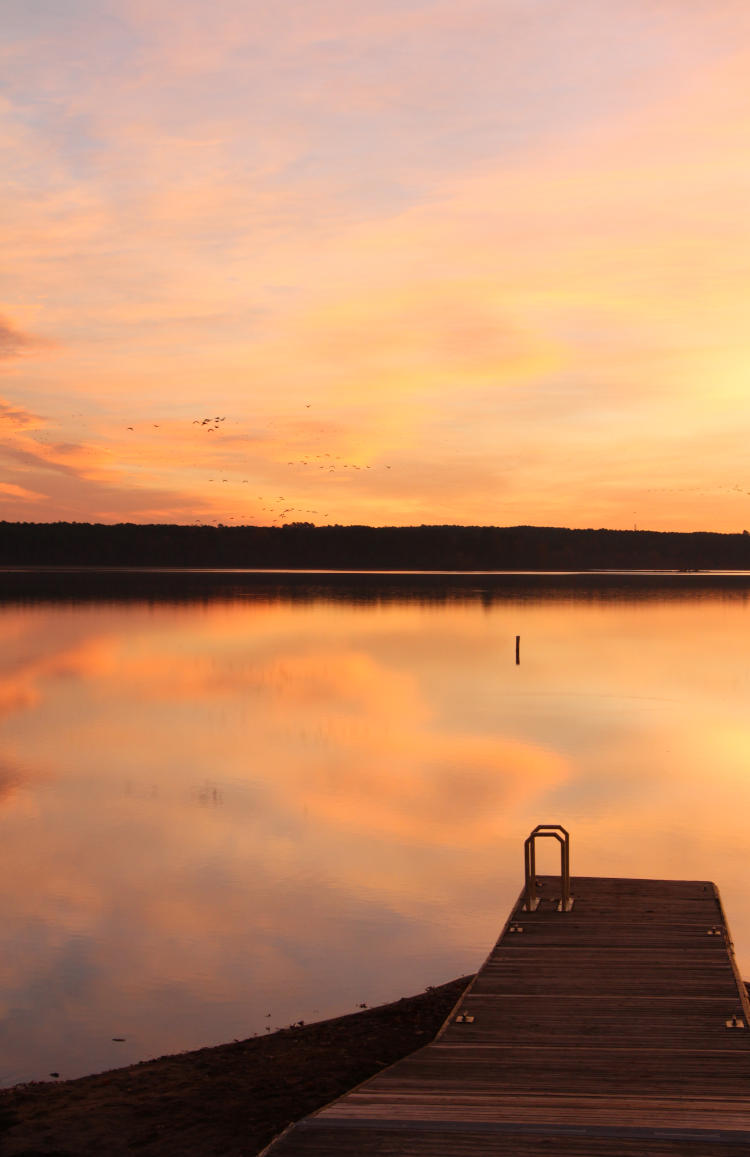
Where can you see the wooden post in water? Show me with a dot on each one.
(518, 649)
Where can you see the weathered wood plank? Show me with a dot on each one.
(517, 1069)
(316, 1138)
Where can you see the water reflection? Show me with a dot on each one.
(212, 811)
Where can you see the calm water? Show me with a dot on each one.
(224, 815)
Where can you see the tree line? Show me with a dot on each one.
(303, 546)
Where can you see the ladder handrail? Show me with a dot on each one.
(553, 831)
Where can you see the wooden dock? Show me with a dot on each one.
(618, 1027)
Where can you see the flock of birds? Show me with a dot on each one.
(211, 423)
(327, 462)
(736, 489)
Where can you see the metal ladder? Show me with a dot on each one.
(556, 832)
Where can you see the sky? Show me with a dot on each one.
(425, 261)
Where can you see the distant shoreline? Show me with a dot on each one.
(304, 546)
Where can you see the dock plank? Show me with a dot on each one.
(610, 1029)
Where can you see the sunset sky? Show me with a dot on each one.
(429, 261)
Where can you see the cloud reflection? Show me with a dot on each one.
(203, 805)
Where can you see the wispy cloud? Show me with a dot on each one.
(13, 491)
(447, 230)
(16, 343)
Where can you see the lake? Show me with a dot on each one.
(230, 806)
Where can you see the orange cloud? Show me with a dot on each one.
(14, 491)
(511, 322)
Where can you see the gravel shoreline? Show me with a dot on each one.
(226, 1101)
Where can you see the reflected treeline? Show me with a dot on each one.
(99, 585)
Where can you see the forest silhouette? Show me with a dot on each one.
(304, 546)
